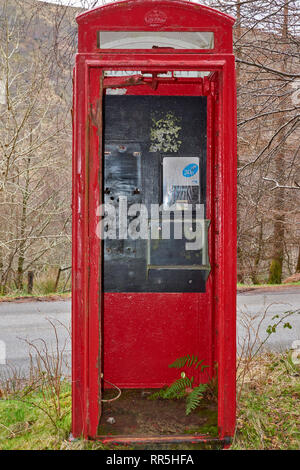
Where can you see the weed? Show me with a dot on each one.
(183, 387)
(269, 406)
(268, 412)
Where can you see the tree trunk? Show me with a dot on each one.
(257, 258)
(275, 271)
(21, 257)
(298, 261)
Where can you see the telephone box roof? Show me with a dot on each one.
(203, 13)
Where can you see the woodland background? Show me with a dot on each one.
(37, 46)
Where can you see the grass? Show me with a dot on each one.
(25, 423)
(43, 286)
(268, 412)
(257, 286)
(23, 295)
(269, 406)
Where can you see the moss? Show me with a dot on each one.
(275, 272)
(209, 414)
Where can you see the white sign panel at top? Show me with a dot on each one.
(180, 175)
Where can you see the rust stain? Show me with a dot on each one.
(96, 116)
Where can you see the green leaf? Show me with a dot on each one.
(194, 398)
(186, 361)
(179, 362)
(177, 387)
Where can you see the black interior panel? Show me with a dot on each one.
(133, 166)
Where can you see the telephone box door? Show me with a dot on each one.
(156, 294)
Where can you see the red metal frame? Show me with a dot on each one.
(87, 306)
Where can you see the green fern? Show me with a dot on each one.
(194, 398)
(158, 394)
(176, 390)
(186, 361)
(179, 388)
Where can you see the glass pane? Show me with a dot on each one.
(153, 39)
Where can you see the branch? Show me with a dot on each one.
(295, 118)
(277, 185)
(287, 110)
(268, 69)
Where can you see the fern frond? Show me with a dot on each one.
(194, 398)
(181, 394)
(179, 362)
(186, 361)
(158, 394)
(178, 386)
(175, 390)
(199, 363)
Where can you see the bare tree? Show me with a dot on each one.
(33, 213)
(267, 54)
(37, 47)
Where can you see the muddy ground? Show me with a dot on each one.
(137, 415)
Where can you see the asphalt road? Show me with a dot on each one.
(30, 321)
(255, 310)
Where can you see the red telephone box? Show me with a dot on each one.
(154, 126)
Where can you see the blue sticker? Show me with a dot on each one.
(190, 170)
